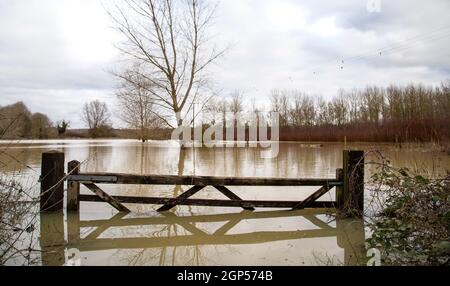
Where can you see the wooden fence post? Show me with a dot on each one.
(52, 181)
(51, 238)
(340, 189)
(73, 228)
(73, 188)
(351, 237)
(353, 192)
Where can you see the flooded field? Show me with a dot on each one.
(200, 235)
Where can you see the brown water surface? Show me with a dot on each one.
(203, 235)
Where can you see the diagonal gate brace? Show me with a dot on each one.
(184, 196)
(312, 198)
(107, 198)
(232, 196)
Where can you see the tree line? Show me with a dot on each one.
(16, 121)
(414, 112)
(372, 105)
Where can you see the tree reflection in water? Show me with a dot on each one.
(157, 240)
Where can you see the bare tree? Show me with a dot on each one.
(15, 121)
(212, 111)
(303, 112)
(339, 109)
(40, 126)
(136, 105)
(223, 109)
(169, 39)
(322, 112)
(237, 102)
(255, 110)
(96, 116)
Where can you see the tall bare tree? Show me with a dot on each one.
(169, 39)
(136, 106)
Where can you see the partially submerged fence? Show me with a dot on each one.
(348, 183)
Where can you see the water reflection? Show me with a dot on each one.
(193, 240)
(52, 239)
(198, 235)
(294, 160)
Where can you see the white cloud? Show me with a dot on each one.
(325, 27)
(85, 28)
(285, 15)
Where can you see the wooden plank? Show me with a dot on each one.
(193, 240)
(317, 222)
(73, 187)
(312, 198)
(51, 238)
(102, 228)
(189, 193)
(186, 225)
(130, 179)
(339, 189)
(232, 196)
(227, 226)
(73, 226)
(211, 203)
(346, 174)
(52, 182)
(106, 198)
(353, 194)
(139, 221)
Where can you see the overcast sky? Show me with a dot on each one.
(55, 54)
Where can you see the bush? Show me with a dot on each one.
(413, 226)
(103, 131)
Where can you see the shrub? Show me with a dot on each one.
(413, 226)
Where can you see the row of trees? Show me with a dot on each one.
(373, 105)
(359, 106)
(395, 113)
(16, 121)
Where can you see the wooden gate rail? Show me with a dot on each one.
(206, 202)
(349, 185)
(119, 221)
(93, 242)
(127, 179)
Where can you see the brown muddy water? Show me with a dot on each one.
(201, 235)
